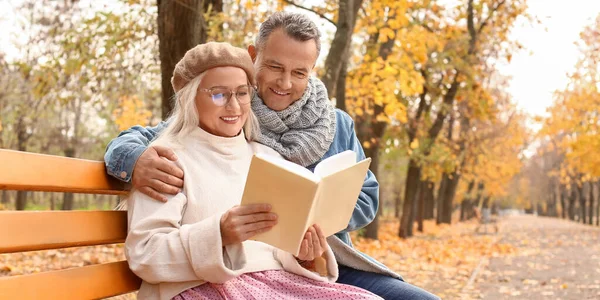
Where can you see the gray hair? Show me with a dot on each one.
(184, 118)
(295, 25)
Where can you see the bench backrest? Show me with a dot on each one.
(43, 230)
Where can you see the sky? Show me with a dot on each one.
(537, 71)
(550, 53)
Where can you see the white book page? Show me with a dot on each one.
(338, 193)
(335, 163)
(289, 166)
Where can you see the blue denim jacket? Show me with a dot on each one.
(123, 152)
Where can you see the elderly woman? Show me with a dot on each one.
(195, 246)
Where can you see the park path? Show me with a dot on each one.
(555, 259)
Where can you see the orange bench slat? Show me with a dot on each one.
(42, 230)
(40, 172)
(89, 282)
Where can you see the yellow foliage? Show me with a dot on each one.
(382, 118)
(372, 29)
(386, 34)
(414, 144)
(573, 125)
(358, 111)
(131, 111)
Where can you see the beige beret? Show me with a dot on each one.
(208, 56)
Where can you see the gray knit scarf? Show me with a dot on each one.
(303, 132)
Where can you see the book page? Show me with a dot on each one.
(290, 166)
(291, 197)
(335, 163)
(337, 196)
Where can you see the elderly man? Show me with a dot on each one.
(299, 122)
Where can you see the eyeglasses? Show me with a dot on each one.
(221, 95)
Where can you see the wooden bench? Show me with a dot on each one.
(22, 231)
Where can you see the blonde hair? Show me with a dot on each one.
(184, 117)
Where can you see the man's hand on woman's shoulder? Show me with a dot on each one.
(155, 173)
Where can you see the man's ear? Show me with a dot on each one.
(252, 52)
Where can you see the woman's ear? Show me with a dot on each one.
(252, 52)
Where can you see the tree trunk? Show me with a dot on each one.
(52, 202)
(445, 211)
(373, 130)
(21, 201)
(22, 137)
(372, 230)
(465, 206)
(563, 202)
(598, 203)
(421, 205)
(440, 198)
(413, 211)
(412, 182)
(486, 202)
(340, 92)
(397, 206)
(4, 198)
(553, 202)
(68, 197)
(447, 105)
(429, 201)
(432, 134)
(339, 52)
(463, 209)
(443, 195)
(448, 199)
(181, 26)
(67, 201)
(591, 207)
(582, 206)
(572, 198)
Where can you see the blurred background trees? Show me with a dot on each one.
(418, 77)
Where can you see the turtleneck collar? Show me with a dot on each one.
(223, 145)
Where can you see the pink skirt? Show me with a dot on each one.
(277, 284)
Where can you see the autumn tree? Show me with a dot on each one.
(182, 25)
(25, 99)
(99, 61)
(571, 130)
(448, 71)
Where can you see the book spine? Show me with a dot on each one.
(310, 220)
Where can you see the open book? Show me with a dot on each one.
(302, 198)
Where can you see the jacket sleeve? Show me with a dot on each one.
(123, 151)
(368, 199)
(160, 249)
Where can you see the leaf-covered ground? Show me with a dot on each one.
(442, 259)
(529, 258)
(556, 260)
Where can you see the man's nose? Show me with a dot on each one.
(285, 81)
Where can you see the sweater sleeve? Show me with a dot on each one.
(290, 264)
(160, 249)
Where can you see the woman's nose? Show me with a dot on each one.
(233, 104)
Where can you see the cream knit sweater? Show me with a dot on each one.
(176, 245)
